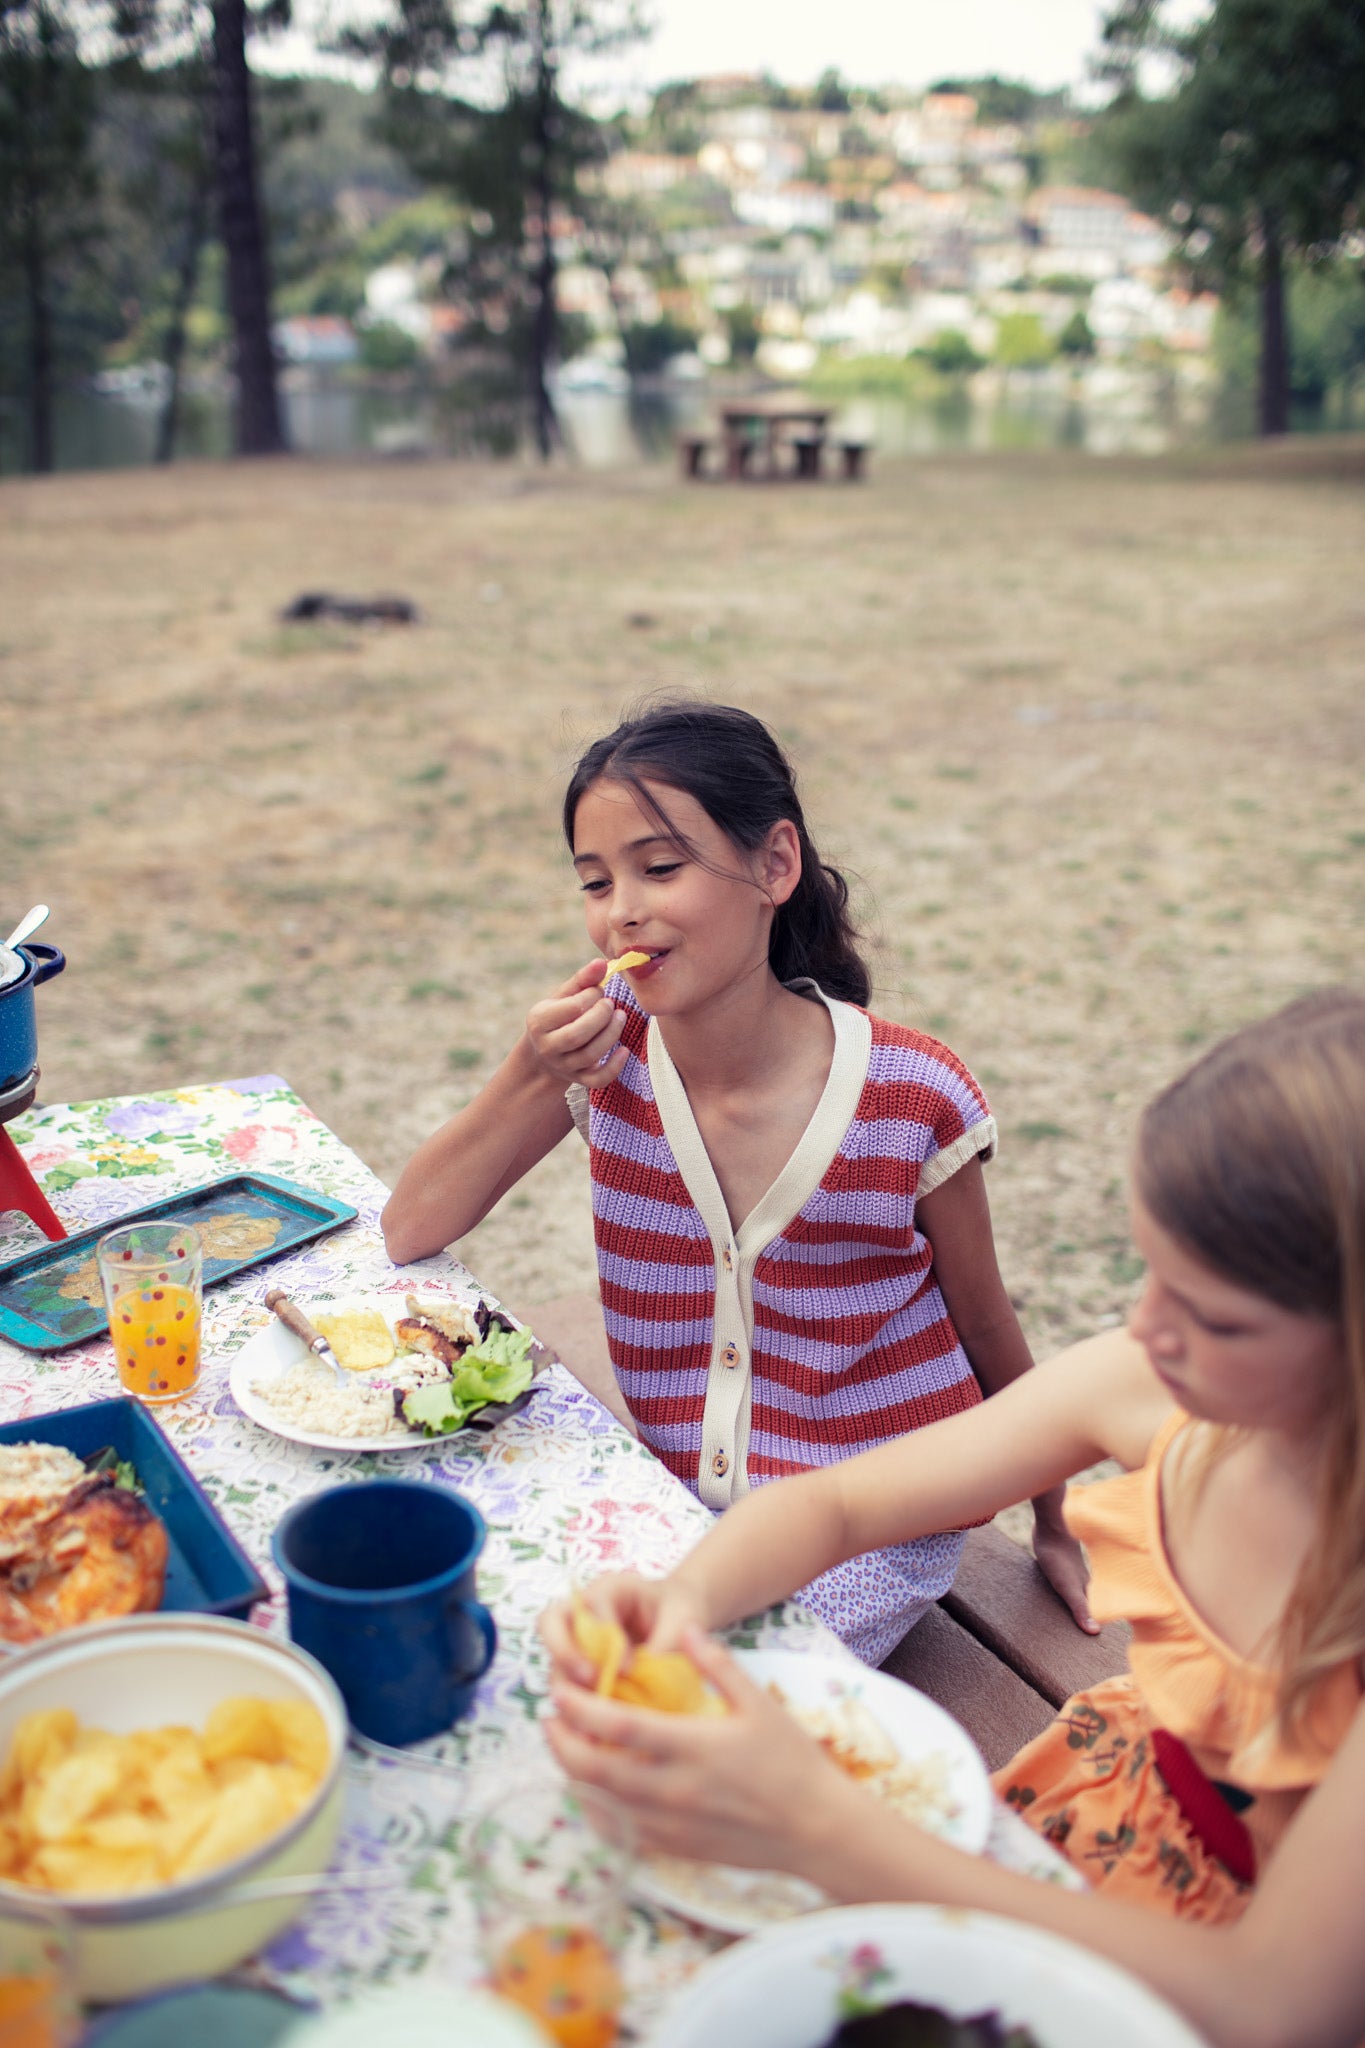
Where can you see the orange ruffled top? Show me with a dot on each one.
(1217, 1702)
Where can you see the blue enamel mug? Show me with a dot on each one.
(380, 1577)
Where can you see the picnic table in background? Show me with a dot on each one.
(771, 436)
(566, 1492)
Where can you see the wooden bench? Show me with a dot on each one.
(692, 453)
(808, 449)
(999, 1651)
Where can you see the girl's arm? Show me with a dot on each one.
(454, 1179)
(1099, 1399)
(956, 1219)
(752, 1788)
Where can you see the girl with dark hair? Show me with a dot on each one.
(793, 1239)
(1213, 1795)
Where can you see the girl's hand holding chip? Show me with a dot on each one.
(576, 1032)
(747, 1787)
(652, 1613)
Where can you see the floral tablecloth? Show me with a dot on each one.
(565, 1491)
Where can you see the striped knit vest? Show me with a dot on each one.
(849, 1343)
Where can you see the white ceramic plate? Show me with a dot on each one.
(782, 1989)
(273, 1350)
(957, 1804)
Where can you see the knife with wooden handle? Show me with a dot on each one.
(293, 1318)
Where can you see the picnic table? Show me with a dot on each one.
(759, 430)
(565, 1490)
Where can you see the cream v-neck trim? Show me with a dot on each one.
(722, 1473)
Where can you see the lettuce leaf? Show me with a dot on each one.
(496, 1369)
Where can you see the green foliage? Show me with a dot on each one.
(649, 345)
(1022, 342)
(744, 332)
(951, 354)
(896, 376)
(54, 311)
(1326, 307)
(383, 346)
(1076, 338)
(1008, 99)
(1258, 152)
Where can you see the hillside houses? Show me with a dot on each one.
(863, 218)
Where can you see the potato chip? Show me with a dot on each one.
(82, 1810)
(38, 1740)
(235, 1823)
(360, 1338)
(68, 1794)
(666, 1680)
(303, 1738)
(242, 1727)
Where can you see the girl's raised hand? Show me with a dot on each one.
(576, 1032)
(651, 1611)
(750, 1787)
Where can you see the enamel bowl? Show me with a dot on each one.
(148, 1671)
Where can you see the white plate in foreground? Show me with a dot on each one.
(782, 1989)
(955, 1801)
(273, 1350)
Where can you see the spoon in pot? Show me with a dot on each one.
(27, 925)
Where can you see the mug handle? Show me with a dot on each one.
(487, 1628)
(47, 961)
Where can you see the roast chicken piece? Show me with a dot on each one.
(98, 1553)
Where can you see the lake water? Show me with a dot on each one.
(1104, 410)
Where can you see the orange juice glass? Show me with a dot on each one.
(37, 2002)
(153, 1288)
(551, 1865)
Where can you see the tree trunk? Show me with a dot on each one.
(40, 445)
(259, 427)
(1274, 370)
(196, 227)
(543, 320)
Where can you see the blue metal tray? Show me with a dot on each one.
(52, 1297)
(207, 1571)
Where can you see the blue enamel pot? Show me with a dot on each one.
(18, 1020)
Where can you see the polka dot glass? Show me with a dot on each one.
(153, 1287)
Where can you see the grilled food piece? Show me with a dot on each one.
(100, 1554)
(442, 1328)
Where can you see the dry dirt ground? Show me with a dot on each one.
(1089, 735)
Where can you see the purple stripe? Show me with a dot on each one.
(682, 1438)
(641, 1212)
(855, 1399)
(826, 1305)
(626, 1141)
(861, 1208)
(651, 1276)
(661, 1337)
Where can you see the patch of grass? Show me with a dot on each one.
(259, 991)
(435, 771)
(1040, 1128)
(1124, 1267)
(904, 803)
(462, 1057)
(418, 991)
(945, 773)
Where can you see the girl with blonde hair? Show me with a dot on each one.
(1220, 1783)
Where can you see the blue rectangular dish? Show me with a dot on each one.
(52, 1297)
(207, 1570)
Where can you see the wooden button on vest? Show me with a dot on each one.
(720, 1464)
(730, 1355)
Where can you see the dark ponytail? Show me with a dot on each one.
(729, 763)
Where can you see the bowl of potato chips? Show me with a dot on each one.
(149, 1766)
